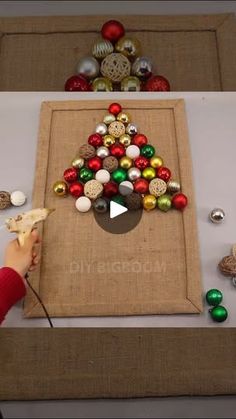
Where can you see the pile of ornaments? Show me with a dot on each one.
(118, 164)
(15, 198)
(116, 64)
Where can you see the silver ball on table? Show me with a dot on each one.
(134, 174)
(103, 152)
(101, 128)
(142, 67)
(88, 67)
(217, 215)
(131, 129)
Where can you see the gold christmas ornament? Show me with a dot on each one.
(124, 117)
(157, 187)
(125, 140)
(116, 129)
(60, 188)
(77, 162)
(125, 163)
(102, 48)
(130, 84)
(156, 162)
(173, 186)
(102, 84)
(93, 189)
(149, 202)
(128, 46)
(108, 140)
(149, 173)
(115, 67)
(109, 118)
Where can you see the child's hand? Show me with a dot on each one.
(22, 259)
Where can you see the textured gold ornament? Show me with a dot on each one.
(116, 129)
(125, 140)
(77, 162)
(93, 189)
(130, 84)
(124, 117)
(102, 84)
(156, 162)
(115, 67)
(149, 202)
(109, 118)
(173, 186)
(102, 48)
(128, 46)
(125, 163)
(157, 187)
(108, 140)
(60, 188)
(149, 173)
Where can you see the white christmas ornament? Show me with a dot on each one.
(102, 176)
(132, 151)
(83, 204)
(126, 188)
(18, 198)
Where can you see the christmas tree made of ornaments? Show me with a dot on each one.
(118, 164)
(116, 64)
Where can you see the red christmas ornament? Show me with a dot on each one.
(76, 189)
(139, 140)
(115, 108)
(77, 84)
(141, 186)
(117, 150)
(157, 84)
(110, 189)
(164, 173)
(94, 164)
(95, 140)
(112, 30)
(179, 201)
(70, 175)
(141, 162)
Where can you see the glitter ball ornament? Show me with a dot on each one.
(77, 162)
(103, 176)
(95, 140)
(214, 297)
(5, 200)
(86, 151)
(124, 117)
(173, 186)
(101, 48)
(94, 164)
(128, 46)
(134, 173)
(110, 189)
(157, 187)
(76, 189)
(88, 67)
(130, 84)
(164, 173)
(141, 186)
(148, 151)
(132, 152)
(108, 140)
(115, 67)
(179, 201)
(102, 84)
(140, 140)
(83, 204)
(149, 173)
(149, 202)
(119, 175)
(125, 162)
(101, 128)
(132, 129)
(142, 67)
(217, 215)
(70, 175)
(219, 314)
(117, 150)
(115, 108)
(164, 202)
(77, 84)
(85, 174)
(141, 162)
(60, 188)
(133, 201)
(100, 205)
(116, 129)
(157, 84)
(93, 189)
(125, 140)
(112, 30)
(126, 188)
(18, 198)
(109, 118)
(156, 162)
(110, 164)
(102, 152)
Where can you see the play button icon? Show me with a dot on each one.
(116, 209)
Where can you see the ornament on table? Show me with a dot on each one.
(133, 201)
(164, 202)
(83, 204)
(115, 67)
(60, 188)
(108, 140)
(157, 84)
(126, 188)
(110, 163)
(103, 152)
(77, 83)
(70, 175)
(100, 205)
(76, 189)
(124, 117)
(173, 186)
(227, 265)
(132, 129)
(102, 48)
(112, 30)
(128, 46)
(18, 198)
(130, 84)
(101, 128)
(214, 298)
(95, 140)
(93, 189)
(217, 215)
(116, 129)
(115, 108)
(88, 67)
(5, 200)
(85, 174)
(125, 139)
(219, 314)
(179, 201)
(109, 118)
(102, 84)
(77, 162)
(86, 151)
(140, 140)
(142, 67)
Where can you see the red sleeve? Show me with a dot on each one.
(12, 289)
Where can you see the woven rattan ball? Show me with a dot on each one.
(93, 189)
(115, 67)
(5, 200)
(110, 164)
(157, 187)
(133, 201)
(116, 129)
(86, 151)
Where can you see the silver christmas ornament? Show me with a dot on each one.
(101, 128)
(217, 215)
(88, 66)
(132, 129)
(100, 205)
(142, 67)
(103, 152)
(102, 48)
(134, 174)
(109, 118)
(173, 186)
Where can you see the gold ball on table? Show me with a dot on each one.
(116, 129)
(156, 162)
(125, 163)
(149, 202)
(77, 162)
(108, 140)
(130, 84)
(149, 173)
(102, 48)
(128, 46)
(125, 140)
(60, 188)
(124, 117)
(102, 84)
(115, 67)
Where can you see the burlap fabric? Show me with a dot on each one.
(86, 271)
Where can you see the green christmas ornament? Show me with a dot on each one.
(147, 151)
(214, 297)
(85, 174)
(118, 199)
(119, 175)
(164, 202)
(219, 314)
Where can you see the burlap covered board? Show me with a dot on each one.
(196, 53)
(86, 271)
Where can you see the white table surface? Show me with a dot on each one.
(212, 127)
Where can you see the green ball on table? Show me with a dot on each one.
(214, 297)
(119, 175)
(85, 174)
(219, 314)
(118, 199)
(148, 151)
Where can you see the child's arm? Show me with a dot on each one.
(18, 261)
